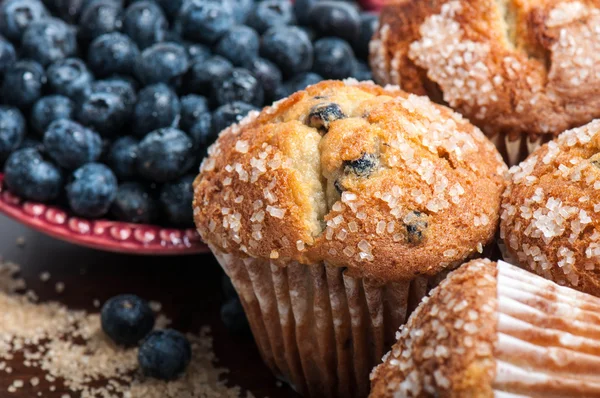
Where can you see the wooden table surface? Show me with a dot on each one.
(188, 288)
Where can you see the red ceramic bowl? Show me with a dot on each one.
(104, 235)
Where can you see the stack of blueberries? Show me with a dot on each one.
(108, 106)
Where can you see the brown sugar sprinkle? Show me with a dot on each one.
(75, 355)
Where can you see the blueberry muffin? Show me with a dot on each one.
(550, 212)
(333, 211)
(495, 330)
(517, 69)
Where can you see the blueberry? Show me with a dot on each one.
(164, 155)
(70, 77)
(205, 21)
(122, 157)
(162, 63)
(416, 226)
(158, 106)
(48, 109)
(267, 73)
(334, 58)
(231, 113)
(234, 317)
(105, 112)
(363, 166)
(335, 18)
(361, 71)
(192, 107)
(100, 18)
(17, 15)
(202, 132)
(175, 200)
(118, 85)
(23, 83)
(29, 176)
(289, 48)
(48, 40)
(241, 9)
(164, 354)
(112, 53)
(269, 13)
(12, 131)
(170, 7)
(92, 190)
(31, 143)
(8, 55)
(126, 319)
(67, 10)
(239, 85)
(71, 145)
(239, 45)
(203, 73)
(302, 9)
(321, 115)
(135, 204)
(197, 52)
(368, 25)
(145, 23)
(297, 83)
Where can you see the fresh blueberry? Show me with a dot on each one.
(164, 354)
(239, 45)
(122, 157)
(205, 21)
(112, 53)
(239, 85)
(134, 203)
(289, 48)
(71, 145)
(269, 13)
(202, 132)
(23, 83)
(297, 83)
(334, 58)
(92, 190)
(226, 115)
(321, 115)
(32, 144)
(70, 77)
(234, 317)
(335, 18)
(175, 199)
(170, 7)
(164, 155)
(197, 52)
(121, 86)
(8, 55)
(202, 74)
(17, 15)
(48, 40)
(29, 176)
(361, 71)
(241, 9)
(368, 25)
(192, 107)
(12, 131)
(67, 10)
(105, 112)
(267, 73)
(301, 10)
(48, 109)
(100, 18)
(158, 106)
(126, 319)
(145, 23)
(162, 63)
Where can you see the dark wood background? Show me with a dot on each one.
(188, 288)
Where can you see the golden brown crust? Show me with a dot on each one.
(550, 220)
(511, 66)
(421, 186)
(447, 346)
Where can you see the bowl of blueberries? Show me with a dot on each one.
(107, 107)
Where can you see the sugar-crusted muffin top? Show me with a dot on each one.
(387, 184)
(550, 212)
(519, 67)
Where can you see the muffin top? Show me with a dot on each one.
(446, 347)
(550, 220)
(516, 67)
(385, 183)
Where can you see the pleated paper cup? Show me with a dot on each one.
(515, 149)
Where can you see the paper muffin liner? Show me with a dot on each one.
(548, 338)
(515, 149)
(317, 328)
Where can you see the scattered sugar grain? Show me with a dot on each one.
(59, 287)
(45, 276)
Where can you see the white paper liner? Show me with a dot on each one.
(515, 149)
(317, 328)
